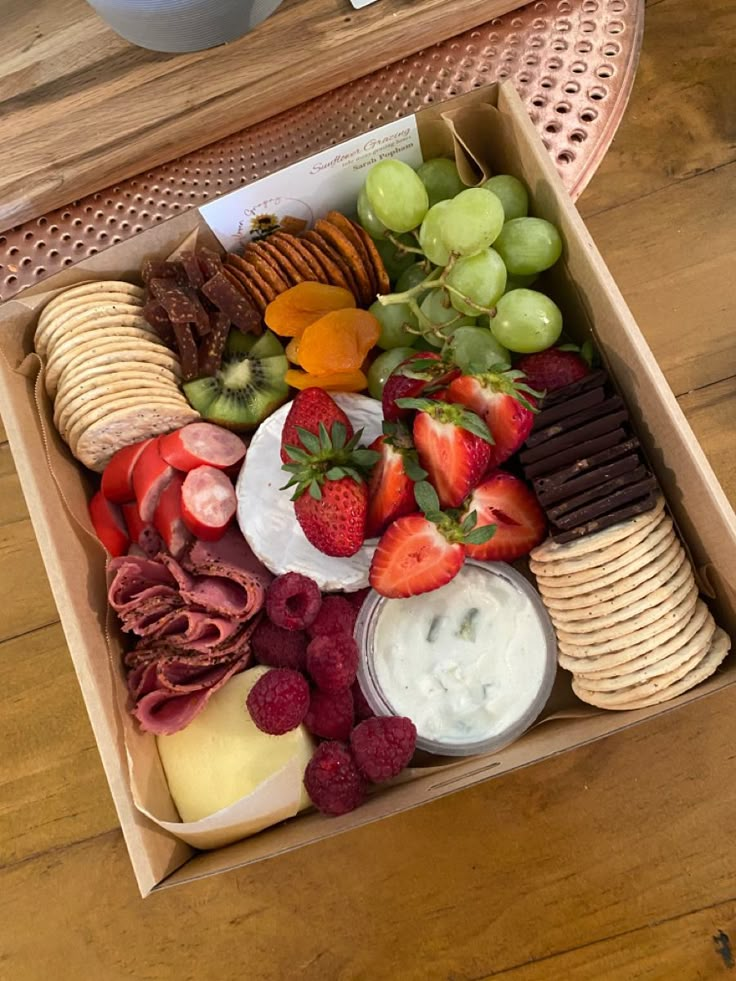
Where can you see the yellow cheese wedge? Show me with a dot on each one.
(222, 756)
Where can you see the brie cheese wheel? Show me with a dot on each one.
(222, 756)
(266, 513)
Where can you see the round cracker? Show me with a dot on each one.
(651, 640)
(644, 612)
(99, 352)
(719, 648)
(250, 278)
(364, 265)
(383, 283)
(564, 612)
(335, 273)
(653, 665)
(269, 250)
(300, 259)
(582, 647)
(50, 334)
(661, 540)
(553, 553)
(596, 558)
(121, 427)
(148, 387)
(63, 323)
(98, 411)
(71, 296)
(267, 268)
(87, 378)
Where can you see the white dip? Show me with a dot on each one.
(463, 662)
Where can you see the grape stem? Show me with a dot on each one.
(435, 280)
(399, 245)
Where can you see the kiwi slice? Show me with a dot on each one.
(247, 388)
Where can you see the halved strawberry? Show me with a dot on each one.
(391, 486)
(453, 445)
(506, 502)
(421, 552)
(419, 375)
(504, 402)
(311, 407)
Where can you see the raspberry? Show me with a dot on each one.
(362, 708)
(278, 701)
(333, 662)
(336, 616)
(279, 648)
(332, 779)
(358, 598)
(382, 747)
(292, 601)
(330, 716)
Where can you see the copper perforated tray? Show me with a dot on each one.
(573, 62)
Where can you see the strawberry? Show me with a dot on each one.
(504, 402)
(506, 502)
(453, 445)
(553, 368)
(311, 407)
(421, 552)
(331, 496)
(419, 375)
(391, 487)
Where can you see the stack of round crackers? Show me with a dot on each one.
(337, 251)
(629, 622)
(112, 379)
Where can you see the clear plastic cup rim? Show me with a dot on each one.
(381, 704)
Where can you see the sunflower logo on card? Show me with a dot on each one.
(278, 215)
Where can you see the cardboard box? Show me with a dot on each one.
(57, 489)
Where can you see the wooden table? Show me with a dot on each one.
(616, 861)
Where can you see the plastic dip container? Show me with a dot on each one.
(471, 664)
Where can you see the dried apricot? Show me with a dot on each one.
(296, 308)
(292, 350)
(339, 341)
(338, 381)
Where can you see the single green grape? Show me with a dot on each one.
(396, 195)
(528, 245)
(392, 319)
(394, 260)
(441, 178)
(519, 282)
(430, 234)
(476, 349)
(526, 321)
(383, 366)
(511, 193)
(367, 216)
(411, 277)
(472, 221)
(481, 278)
(437, 309)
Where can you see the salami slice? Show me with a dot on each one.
(202, 444)
(208, 503)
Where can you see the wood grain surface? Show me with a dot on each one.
(615, 861)
(80, 108)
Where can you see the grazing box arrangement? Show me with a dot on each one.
(358, 487)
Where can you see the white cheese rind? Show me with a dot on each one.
(266, 513)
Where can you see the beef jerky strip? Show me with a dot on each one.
(603, 488)
(558, 460)
(607, 504)
(155, 315)
(539, 436)
(181, 303)
(607, 521)
(573, 438)
(210, 262)
(547, 417)
(160, 269)
(233, 303)
(187, 351)
(192, 269)
(211, 348)
(549, 494)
